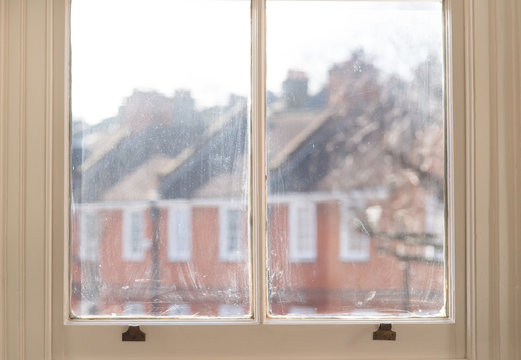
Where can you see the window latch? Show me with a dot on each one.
(133, 333)
(384, 332)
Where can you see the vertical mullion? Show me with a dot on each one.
(258, 158)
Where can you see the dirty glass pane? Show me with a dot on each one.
(356, 169)
(160, 129)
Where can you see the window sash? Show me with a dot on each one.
(329, 339)
(303, 249)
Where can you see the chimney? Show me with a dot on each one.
(295, 90)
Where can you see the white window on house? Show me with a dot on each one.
(179, 233)
(354, 237)
(133, 309)
(231, 233)
(90, 235)
(302, 231)
(133, 235)
(434, 229)
(180, 310)
(434, 217)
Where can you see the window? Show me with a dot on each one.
(302, 231)
(33, 221)
(231, 233)
(354, 236)
(347, 130)
(166, 140)
(133, 235)
(179, 233)
(212, 215)
(90, 235)
(340, 124)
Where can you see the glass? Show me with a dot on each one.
(356, 167)
(160, 146)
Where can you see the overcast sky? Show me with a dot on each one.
(204, 45)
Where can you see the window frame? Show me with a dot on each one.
(34, 72)
(231, 330)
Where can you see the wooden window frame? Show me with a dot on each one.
(33, 109)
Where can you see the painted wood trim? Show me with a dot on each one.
(494, 174)
(508, 117)
(14, 166)
(471, 186)
(258, 198)
(3, 174)
(47, 301)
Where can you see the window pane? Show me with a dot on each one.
(356, 169)
(160, 131)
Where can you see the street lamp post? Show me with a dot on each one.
(154, 215)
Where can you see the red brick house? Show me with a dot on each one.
(355, 207)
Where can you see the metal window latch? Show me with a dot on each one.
(133, 333)
(384, 332)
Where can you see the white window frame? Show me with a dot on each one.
(297, 225)
(347, 234)
(90, 246)
(173, 239)
(484, 86)
(224, 234)
(128, 251)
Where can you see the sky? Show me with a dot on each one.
(204, 45)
